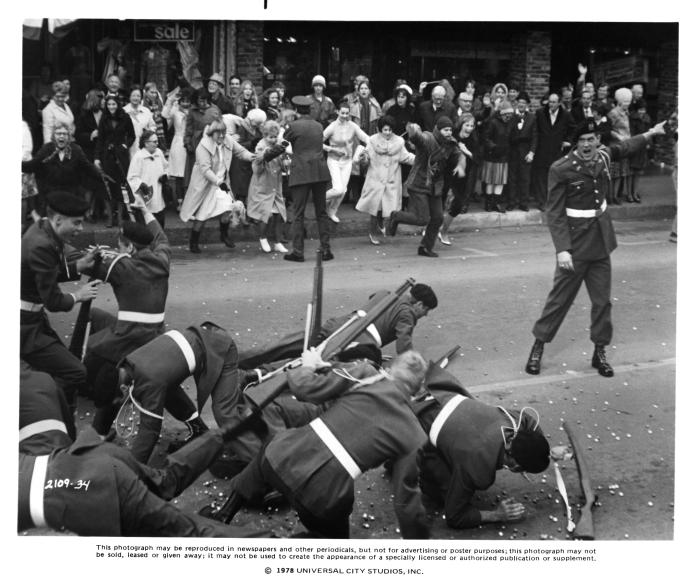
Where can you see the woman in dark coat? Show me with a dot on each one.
(403, 112)
(496, 138)
(86, 124)
(115, 137)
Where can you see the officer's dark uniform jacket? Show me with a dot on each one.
(160, 366)
(90, 487)
(140, 284)
(46, 261)
(367, 425)
(465, 447)
(395, 324)
(308, 163)
(576, 209)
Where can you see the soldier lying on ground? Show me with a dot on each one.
(93, 488)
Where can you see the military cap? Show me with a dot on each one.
(67, 203)
(302, 101)
(423, 293)
(137, 233)
(585, 127)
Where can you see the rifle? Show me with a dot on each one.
(317, 297)
(274, 383)
(81, 332)
(584, 526)
(127, 194)
(444, 360)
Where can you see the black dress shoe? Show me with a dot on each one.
(327, 255)
(534, 360)
(392, 225)
(294, 257)
(601, 363)
(423, 251)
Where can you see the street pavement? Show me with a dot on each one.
(491, 285)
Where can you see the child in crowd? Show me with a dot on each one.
(265, 199)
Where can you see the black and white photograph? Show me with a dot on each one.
(363, 289)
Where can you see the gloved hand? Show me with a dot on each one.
(273, 152)
(223, 186)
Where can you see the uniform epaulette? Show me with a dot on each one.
(560, 161)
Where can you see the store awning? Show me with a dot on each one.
(57, 27)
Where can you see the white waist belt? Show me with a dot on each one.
(36, 491)
(41, 427)
(185, 347)
(592, 213)
(372, 330)
(29, 306)
(339, 452)
(135, 317)
(443, 415)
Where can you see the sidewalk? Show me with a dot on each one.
(656, 191)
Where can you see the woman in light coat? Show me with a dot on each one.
(209, 192)
(57, 112)
(382, 190)
(148, 169)
(141, 117)
(177, 107)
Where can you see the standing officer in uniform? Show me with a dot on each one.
(139, 275)
(583, 237)
(308, 173)
(94, 488)
(46, 261)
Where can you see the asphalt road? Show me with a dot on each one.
(491, 286)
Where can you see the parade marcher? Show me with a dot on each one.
(315, 466)
(265, 200)
(209, 193)
(437, 157)
(308, 174)
(139, 275)
(469, 441)
(147, 174)
(93, 488)
(158, 368)
(395, 325)
(584, 237)
(47, 260)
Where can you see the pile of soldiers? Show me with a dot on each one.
(304, 417)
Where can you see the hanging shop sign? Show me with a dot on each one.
(622, 71)
(163, 31)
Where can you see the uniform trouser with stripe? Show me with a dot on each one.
(259, 475)
(56, 360)
(597, 276)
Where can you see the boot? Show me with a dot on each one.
(497, 206)
(601, 363)
(194, 241)
(533, 361)
(223, 234)
(113, 219)
(196, 427)
(228, 510)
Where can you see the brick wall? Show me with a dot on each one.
(668, 96)
(249, 51)
(538, 63)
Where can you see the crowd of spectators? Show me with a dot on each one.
(115, 138)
